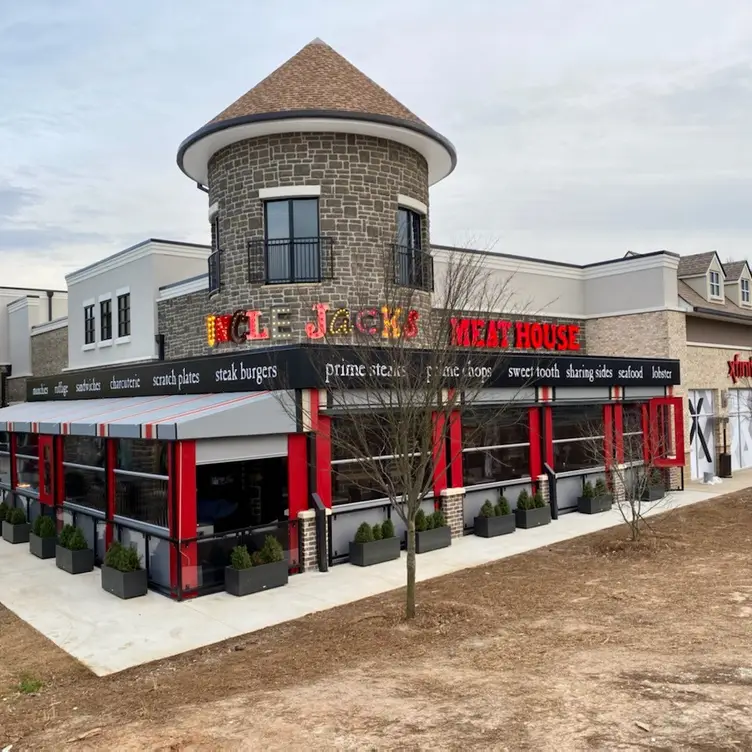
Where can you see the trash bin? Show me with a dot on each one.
(724, 465)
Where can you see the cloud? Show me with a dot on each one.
(582, 128)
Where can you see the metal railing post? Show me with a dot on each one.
(553, 501)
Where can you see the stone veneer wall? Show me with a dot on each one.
(49, 356)
(360, 178)
(657, 334)
(49, 352)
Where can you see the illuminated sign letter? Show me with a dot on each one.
(391, 322)
(411, 325)
(340, 323)
(255, 330)
(364, 319)
(317, 330)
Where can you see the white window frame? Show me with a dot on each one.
(744, 292)
(93, 344)
(715, 284)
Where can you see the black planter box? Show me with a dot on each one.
(74, 562)
(374, 552)
(124, 584)
(594, 504)
(16, 533)
(490, 527)
(431, 540)
(651, 493)
(527, 518)
(42, 548)
(256, 579)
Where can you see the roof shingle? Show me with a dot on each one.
(734, 270)
(317, 78)
(695, 265)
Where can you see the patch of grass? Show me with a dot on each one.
(29, 685)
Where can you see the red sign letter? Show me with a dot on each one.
(317, 330)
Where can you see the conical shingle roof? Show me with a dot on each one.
(316, 90)
(317, 78)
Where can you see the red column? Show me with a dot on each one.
(111, 485)
(321, 426)
(548, 418)
(439, 454)
(534, 431)
(46, 470)
(59, 484)
(608, 435)
(456, 469)
(183, 514)
(297, 483)
(619, 431)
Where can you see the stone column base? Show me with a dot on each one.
(307, 535)
(453, 506)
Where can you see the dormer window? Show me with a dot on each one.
(744, 290)
(715, 284)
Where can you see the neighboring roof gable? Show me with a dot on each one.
(317, 78)
(734, 270)
(697, 264)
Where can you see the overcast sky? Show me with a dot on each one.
(583, 129)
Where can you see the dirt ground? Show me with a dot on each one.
(593, 644)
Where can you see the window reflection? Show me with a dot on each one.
(142, 456)
(84, 450)
(578, 437)
(28, 474)
(143, 499)
(85, 487)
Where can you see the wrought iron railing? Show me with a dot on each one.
(413, 268)
(290, 260)
(214, 270)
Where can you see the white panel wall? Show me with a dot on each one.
(140, 271)
(538, 288)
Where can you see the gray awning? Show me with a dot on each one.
(199, 416)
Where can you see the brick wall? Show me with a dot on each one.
(360, 178)
(49, 352)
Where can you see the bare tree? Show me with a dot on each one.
(638, 482)
(407, 372)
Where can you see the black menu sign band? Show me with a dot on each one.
(301, 367)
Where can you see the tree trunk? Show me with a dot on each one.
(410, 596)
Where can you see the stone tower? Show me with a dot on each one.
(318, 194)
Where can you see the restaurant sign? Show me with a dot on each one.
(521, 335)
(739, 369)
(339, 367)
(244, 326)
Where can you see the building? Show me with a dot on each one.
(190, 405)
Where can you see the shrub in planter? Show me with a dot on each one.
(72, 553)
(3, 511)
(122, 574)
(43, 537)
(494, 520)
(595, 499)
(532, 511)
(656, 486)
(264, 570)
(374, 545)
(15, 527)
(434, 533)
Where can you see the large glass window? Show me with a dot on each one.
(409, 228)
(5, 459)
(105, 320)
(633, 433)
(292, 241)
(495, 445)
(124, 314)
(84, 478)
(141, 473)
(89, 325)
(578, 437)
(27, 462)
(354, 480)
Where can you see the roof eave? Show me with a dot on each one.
(336, 115)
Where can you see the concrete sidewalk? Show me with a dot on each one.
(109, 635)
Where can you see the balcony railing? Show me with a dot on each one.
(214, 271)
(413, 268)
(290, 260)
